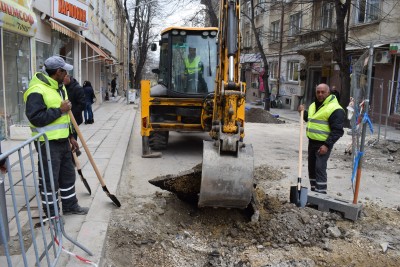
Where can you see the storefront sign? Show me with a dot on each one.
(394, 48)
(71, 11)
(17, 18)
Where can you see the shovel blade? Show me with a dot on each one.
(299, 198)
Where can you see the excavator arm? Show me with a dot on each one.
(228, 164)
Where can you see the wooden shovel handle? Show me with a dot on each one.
(77, 164)
(78, 131)
(301, 143)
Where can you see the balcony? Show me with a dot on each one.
(316, 39)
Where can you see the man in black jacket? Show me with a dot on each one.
(77, 97)
(325, 119)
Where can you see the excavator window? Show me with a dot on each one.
(193, 63)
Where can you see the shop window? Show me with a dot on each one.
(42, 53)
(63, 46)
(17, 74)
(293, 71)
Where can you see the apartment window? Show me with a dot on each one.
(295, 24)
(273, 70)
(275, 30)
(327, 15)
(367, 11)
(247, 40)
(260, 32)
(293, 71)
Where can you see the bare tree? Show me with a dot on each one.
(339, 48)
(258, 35)
(141, 15)
(132, 20)
(144, 39)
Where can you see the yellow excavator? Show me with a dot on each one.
(199, 89)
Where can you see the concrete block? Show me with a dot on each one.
(20, 132)
(327, 203)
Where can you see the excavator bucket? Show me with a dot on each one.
(226, 180)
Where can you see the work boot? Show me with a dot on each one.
(76, 210)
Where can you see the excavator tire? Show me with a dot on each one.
(158, 140)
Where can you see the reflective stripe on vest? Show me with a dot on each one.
(318, 120)
(49, 128)
(192, 67)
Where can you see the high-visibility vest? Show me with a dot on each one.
(318, 120)
(60, 128)
(193, 66)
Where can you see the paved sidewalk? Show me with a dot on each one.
(107, 139)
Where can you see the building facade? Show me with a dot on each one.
(89, 34)
(297, 39)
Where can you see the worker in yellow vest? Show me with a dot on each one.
(325, 119)
(47, 107)
(193, 77)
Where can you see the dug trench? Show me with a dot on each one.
(170, 232)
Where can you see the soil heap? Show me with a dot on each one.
(259, 115)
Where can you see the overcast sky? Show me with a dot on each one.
(177, 19)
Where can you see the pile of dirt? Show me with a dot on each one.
(259, 115)
(164, 231)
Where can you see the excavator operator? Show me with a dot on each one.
(193, 77)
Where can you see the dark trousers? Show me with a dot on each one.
(317, 165)
(63, 176)
(88, 112)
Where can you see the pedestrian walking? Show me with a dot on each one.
(89, 100)
(113, 86)
(77, 97)
(47, 107)
(325, 119)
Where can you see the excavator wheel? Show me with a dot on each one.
(158, 140)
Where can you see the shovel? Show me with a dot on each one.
(298, 194)
(96, 170)
(78, 167)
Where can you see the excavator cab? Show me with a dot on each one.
(188, 61)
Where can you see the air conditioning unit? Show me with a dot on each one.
(382, 57)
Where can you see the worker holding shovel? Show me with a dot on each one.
(325, 118)
(47, 108)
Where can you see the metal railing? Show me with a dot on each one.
(28, 236)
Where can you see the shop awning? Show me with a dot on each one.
(99, 52)
(55, 25)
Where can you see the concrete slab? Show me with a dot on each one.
(327, 203)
